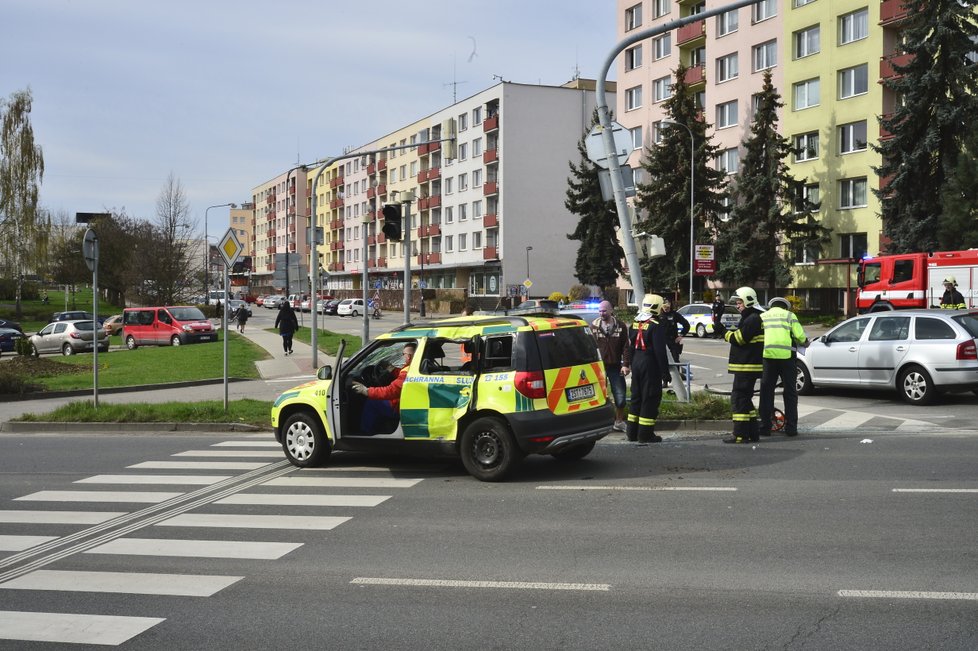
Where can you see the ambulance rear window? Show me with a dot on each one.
(566, 347)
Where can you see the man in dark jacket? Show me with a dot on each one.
(718, 308)
(746, 363)
(611, 334)
(287, 324)
(650, 366)
(952, 298)
(677, 327)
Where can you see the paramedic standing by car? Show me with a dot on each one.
(650, 366)
(746, 364)
(782, 333)
(952, 299)
(616, 353)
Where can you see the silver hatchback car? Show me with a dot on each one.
(68, 338)
(919, 353)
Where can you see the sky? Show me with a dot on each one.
(227, 94)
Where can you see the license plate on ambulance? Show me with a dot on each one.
(579, 393)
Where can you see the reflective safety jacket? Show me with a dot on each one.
(952, 300)
(782, 333)
(746, 344)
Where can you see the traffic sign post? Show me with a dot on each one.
(90, 253)
(230, 248)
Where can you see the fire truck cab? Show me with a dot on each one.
(915, 280)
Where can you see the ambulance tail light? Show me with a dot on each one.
(531, 384)
(967, 350)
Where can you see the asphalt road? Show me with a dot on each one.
(834, 541)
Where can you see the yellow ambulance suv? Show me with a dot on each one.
(488, 389)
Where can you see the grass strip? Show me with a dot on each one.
(245, 411)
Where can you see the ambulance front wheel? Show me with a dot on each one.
(303, 441)
(488, 449)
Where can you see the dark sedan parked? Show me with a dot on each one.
(8, 339)
(331, 305)
(13, 325)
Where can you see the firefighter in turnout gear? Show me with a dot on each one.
(650, 366)
(746, 363)
(952, 299)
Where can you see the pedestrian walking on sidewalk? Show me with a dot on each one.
(242, 318)
(287, 324)
(616, 353)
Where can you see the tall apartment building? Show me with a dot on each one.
(827, 59)
(243, 224)
(484, 221)
(280, 250)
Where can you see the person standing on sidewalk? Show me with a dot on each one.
(650, 366)
(616, 353)
(676, 328)
(782, 333)
(718, 308)
(287, 324)
(746, 364)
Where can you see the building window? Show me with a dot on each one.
(463, 212)
(636, 137)
(657, 133)
(805, 94)
(852, 137)
(463, 122)
(662, 7)
(633, 58)
(854, 26)
(477, 147)
(728, 161)
(727, 67)
(477, 239)
(765, 55)
(663, 46)
(807, 41)
(802, 3)
(463, 182)
(853, 81)
(449, 241)
(633, 17)
(805, 254)
(662, 88)
(463, 244)
(727, 114)
(633, 98)
(852, 193)
(448, 187)
(463, 151)
(807, 197)
(476, 178)
(853, 245)
(727, 22)
(477, 209)
(477, 115)
(764, 9)
(697, 57)
(806, 146)
(449, 215)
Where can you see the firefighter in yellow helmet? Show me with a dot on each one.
(650, 366)
(952, 299)
(746, 363)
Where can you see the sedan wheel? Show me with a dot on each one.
(916, 387)
(803, 380)
(700, 330)
(354, 314)
(67, 350)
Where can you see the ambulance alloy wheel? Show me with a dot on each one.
(488, 450)
(303, 441)
(575, 452)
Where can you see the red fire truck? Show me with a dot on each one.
(910, 280)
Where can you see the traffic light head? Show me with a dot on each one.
(392, 222)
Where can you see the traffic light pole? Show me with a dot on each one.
(604, 118)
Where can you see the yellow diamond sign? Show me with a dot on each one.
(230, 248)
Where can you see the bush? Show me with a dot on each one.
(22, 346)
(557, 297)
(578, 292)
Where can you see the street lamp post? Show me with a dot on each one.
(692, 223)
(207, 251)
(528, 249)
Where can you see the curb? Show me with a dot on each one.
(124, 428)
(44, 395)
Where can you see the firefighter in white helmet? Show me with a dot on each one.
(650, 366)
(952, 299)
(746, 363)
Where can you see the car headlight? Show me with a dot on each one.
(187, 328)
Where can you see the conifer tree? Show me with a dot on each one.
(938, 92)
(767, 212)
(600, 255)
(663, 201)
(958, 227)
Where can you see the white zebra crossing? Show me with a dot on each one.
(174, 585)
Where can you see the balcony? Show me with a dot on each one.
(884, 133)
(695, 75)
(491, 220)
(335, 203)
(336, 266)
(371, 193)
(423, 176)
(892, 11)
(887, 63)
(336, 182)
(434, 173)
(423, 149)
(434, 230)
(429, 258)
(336, 246)
(372, 169)
(490, 187)
(371, 263)
(490, 156)
(381, 189)
(688, 34)
(424, 203)
(335, 224)
(270, 250)
(491, 123)
(381, 238)
(270, 233)
(372, 240)
(490, 253)
(382, 165)
(381, 262)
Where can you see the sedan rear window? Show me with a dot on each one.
(968, 322)
(87, 326)
(928, 328)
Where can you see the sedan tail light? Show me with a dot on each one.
(531, 384)
(74, 335)
(967, 350)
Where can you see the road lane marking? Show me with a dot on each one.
(512, 585)
(935, 490)
(98, 496)
(722, 489)
(196, 480)
(387, 469)
(20, 543)
(272, 499)
(170, 547)
(910, 594)
(343, 482)
(173, 585)
(304, 522)
(238, 454)
(248, 444)
(59, 517)
(72, 629)
(200, 465)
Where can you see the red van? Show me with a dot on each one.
(162, 326)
